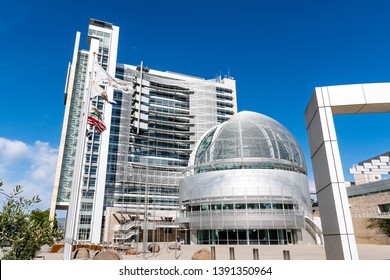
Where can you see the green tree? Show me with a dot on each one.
(24, 232)
(42, 216)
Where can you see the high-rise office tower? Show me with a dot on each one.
(126, 178)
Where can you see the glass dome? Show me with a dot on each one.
(250, 141)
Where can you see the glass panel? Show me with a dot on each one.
(265, 149)
(253, 236)
(273, 237)
(278, 205)
(253, 206)
(216, 207)
(227, 206)
(266, 205)
(264, 237)
(203, 237)
(200, 154)
(242, 238)
(232, 236)
(384, 208)
(282, 236)
(222, 236)
(283, 150)
(250, 147)
(240, 206)
(213, 236)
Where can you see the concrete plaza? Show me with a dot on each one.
(243, 252)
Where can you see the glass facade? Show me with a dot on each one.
(152, 136)
(132, 170)
(69, 150)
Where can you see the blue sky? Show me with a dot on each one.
(277, 50)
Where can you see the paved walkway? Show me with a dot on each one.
(245, 252)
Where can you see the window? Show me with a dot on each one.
(84, 233)
(205, 207)
(85, 219)
(86, 206)
(384, 208)
(240, 206)
(253, 206)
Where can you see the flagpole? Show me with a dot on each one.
(140, 96)
(74, 202)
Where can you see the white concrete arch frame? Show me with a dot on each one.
(339, 238)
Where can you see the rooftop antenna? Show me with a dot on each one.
(218, 77)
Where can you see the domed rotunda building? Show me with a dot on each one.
(246, 183)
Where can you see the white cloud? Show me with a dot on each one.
(31, 166)
(44, 159)
(12, 150)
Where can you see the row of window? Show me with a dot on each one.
(163, 144)
(153, 190)
(246, 236)
(93, 148)
(224, 104)
(241, 206)
(168, 110)
(224, 90)
(89, 182)
(169, 128)
(224, 97)
(170, 103)
(84, 233)
(157, 153)
(91, 170)
(225, 112)
(249, 165)
(222, 119)
(168, 119)
(168, 87)
(151, 201)
(159, 162)
(167, 135)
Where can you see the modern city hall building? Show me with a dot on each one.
(247, 184)
(127, 175)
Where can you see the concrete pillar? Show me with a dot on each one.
(339, 238)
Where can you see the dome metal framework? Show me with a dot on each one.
(248, 141)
